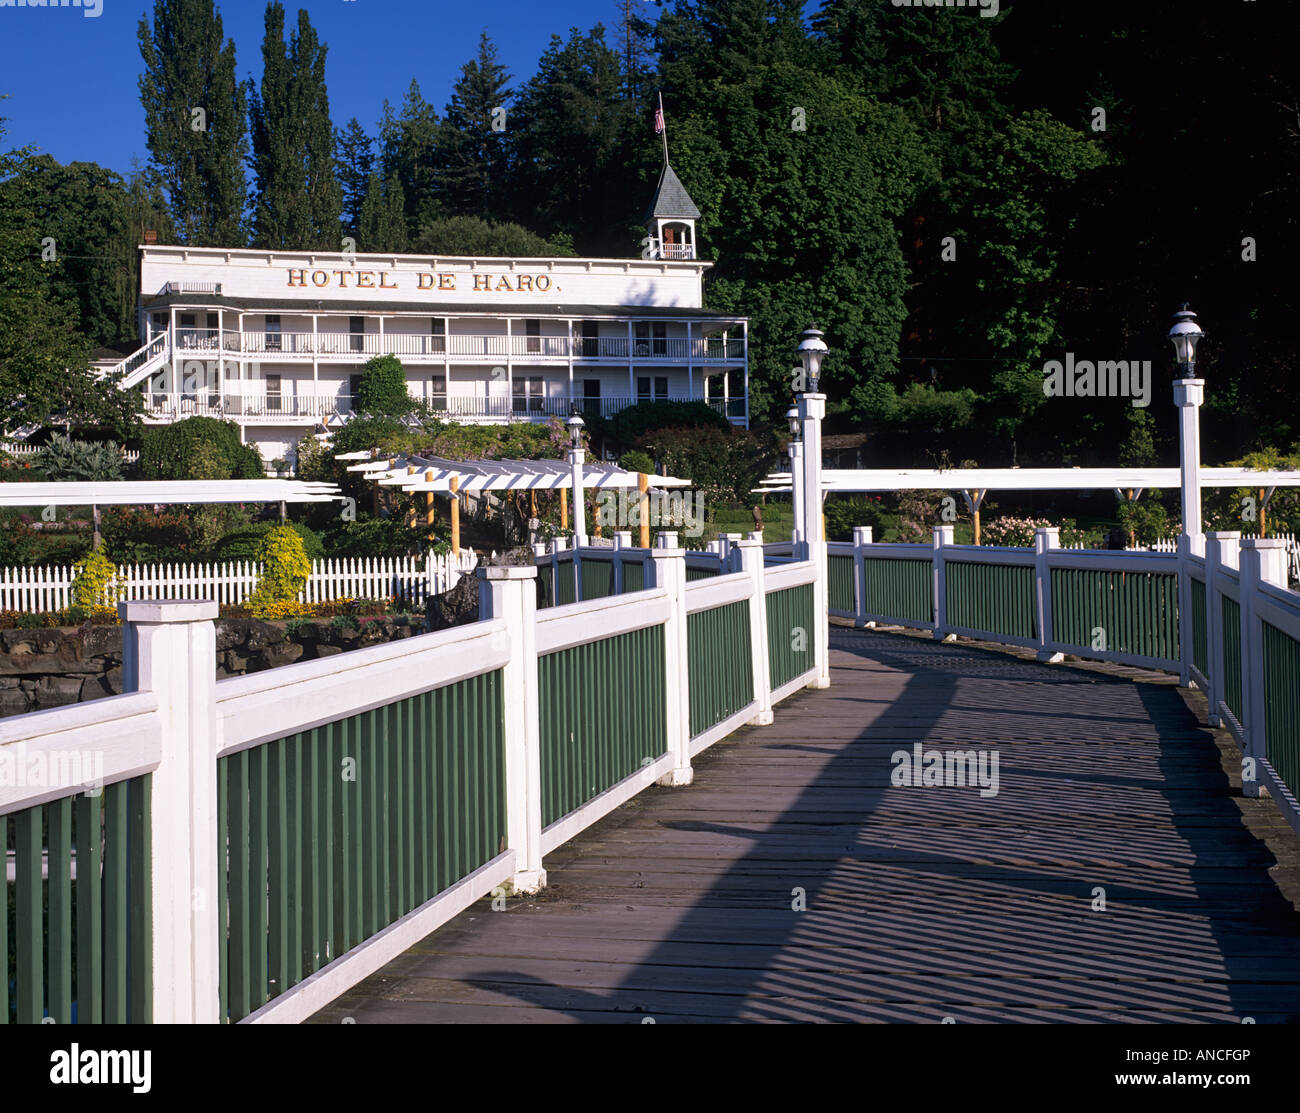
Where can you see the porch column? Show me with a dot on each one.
(690, 362)
(744, 339)
(631, 382)
(569, 347)
(510, 370)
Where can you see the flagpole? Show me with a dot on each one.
(665, 123)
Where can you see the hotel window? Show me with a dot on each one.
(642, 347)
(357, 334)
(354, 389)
(533, 331)
(528, 395)
(273, 394)
(660, 338)
(213, 334)
(272, 331)
(661, 387)
(643, 388)
(438, 335)
(159, 324)
(438, 392)
(187, 331)
(590, 339)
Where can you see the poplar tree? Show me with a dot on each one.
(195, 121)
(473, 155)
(356, 162)
(298, 197)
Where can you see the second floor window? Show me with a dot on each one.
(533, 331)
(357, 334)
(438, 335)
(272, 332)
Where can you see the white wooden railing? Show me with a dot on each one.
(198, 825)
(412, 578)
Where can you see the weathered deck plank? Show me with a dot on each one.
(921, 903)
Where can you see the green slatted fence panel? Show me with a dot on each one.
(633, 575)
(597, 578)
(899, 589)
(1232, 656)
(839, 575)
(338, 831)
(602, 716)
(789, 633)
(720, 664)
(1200, 650)
(1282, 705)
(996, 598)
(1135, 612)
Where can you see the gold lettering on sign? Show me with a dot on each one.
(504, 284)
(525, 283)
(384, 284)
(320, 278)
(483, 282)
(343, 278)
(426, 280)
(366, 279)
(446, 282)
(543, 283)
(300, 279)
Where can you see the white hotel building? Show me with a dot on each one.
(275, 340)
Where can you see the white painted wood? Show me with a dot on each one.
(751, 556)
(509, 594)
(718, 591)
(1045, 539)
(169, 649)
(579, 623)
(783, 576)
(121, 736)
(316, 991)
(667, 570)
(719, 731)
(283, 701)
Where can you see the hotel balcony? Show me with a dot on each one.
(359, 347)
(309, 409)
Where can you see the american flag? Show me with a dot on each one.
(659, 120)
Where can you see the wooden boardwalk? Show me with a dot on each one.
(922, 903)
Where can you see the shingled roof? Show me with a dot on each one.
(671, 198)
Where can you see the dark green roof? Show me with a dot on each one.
(671, 198)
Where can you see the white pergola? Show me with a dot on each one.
(433, 475)
(166, 492)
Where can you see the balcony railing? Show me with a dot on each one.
(465, 349)
(450, 407)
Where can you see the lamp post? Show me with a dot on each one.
(576, 458)
(1189, 393)
(812, 408)
(796, 478)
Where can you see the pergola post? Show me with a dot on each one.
(643, 502)
(455, 515)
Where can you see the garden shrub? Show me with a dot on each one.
(285, 569)
(95, 584)
(196, 447)
(244, 544)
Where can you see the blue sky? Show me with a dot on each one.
(71, 80)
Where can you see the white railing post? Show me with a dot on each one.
(861, 539)
(1046, 538)
(750, 557)
(668, 562)
(1263, 561)
(1218, 552)
(943, 536)
(622, 540)
(731, 556)
(169, 648)
(510, 593)
(1186, 627)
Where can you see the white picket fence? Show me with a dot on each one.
(414, 578)
(1170, 545)
(17, 448)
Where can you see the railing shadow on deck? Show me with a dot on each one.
(908, 952)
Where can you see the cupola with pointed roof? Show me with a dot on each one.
(671, 219)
